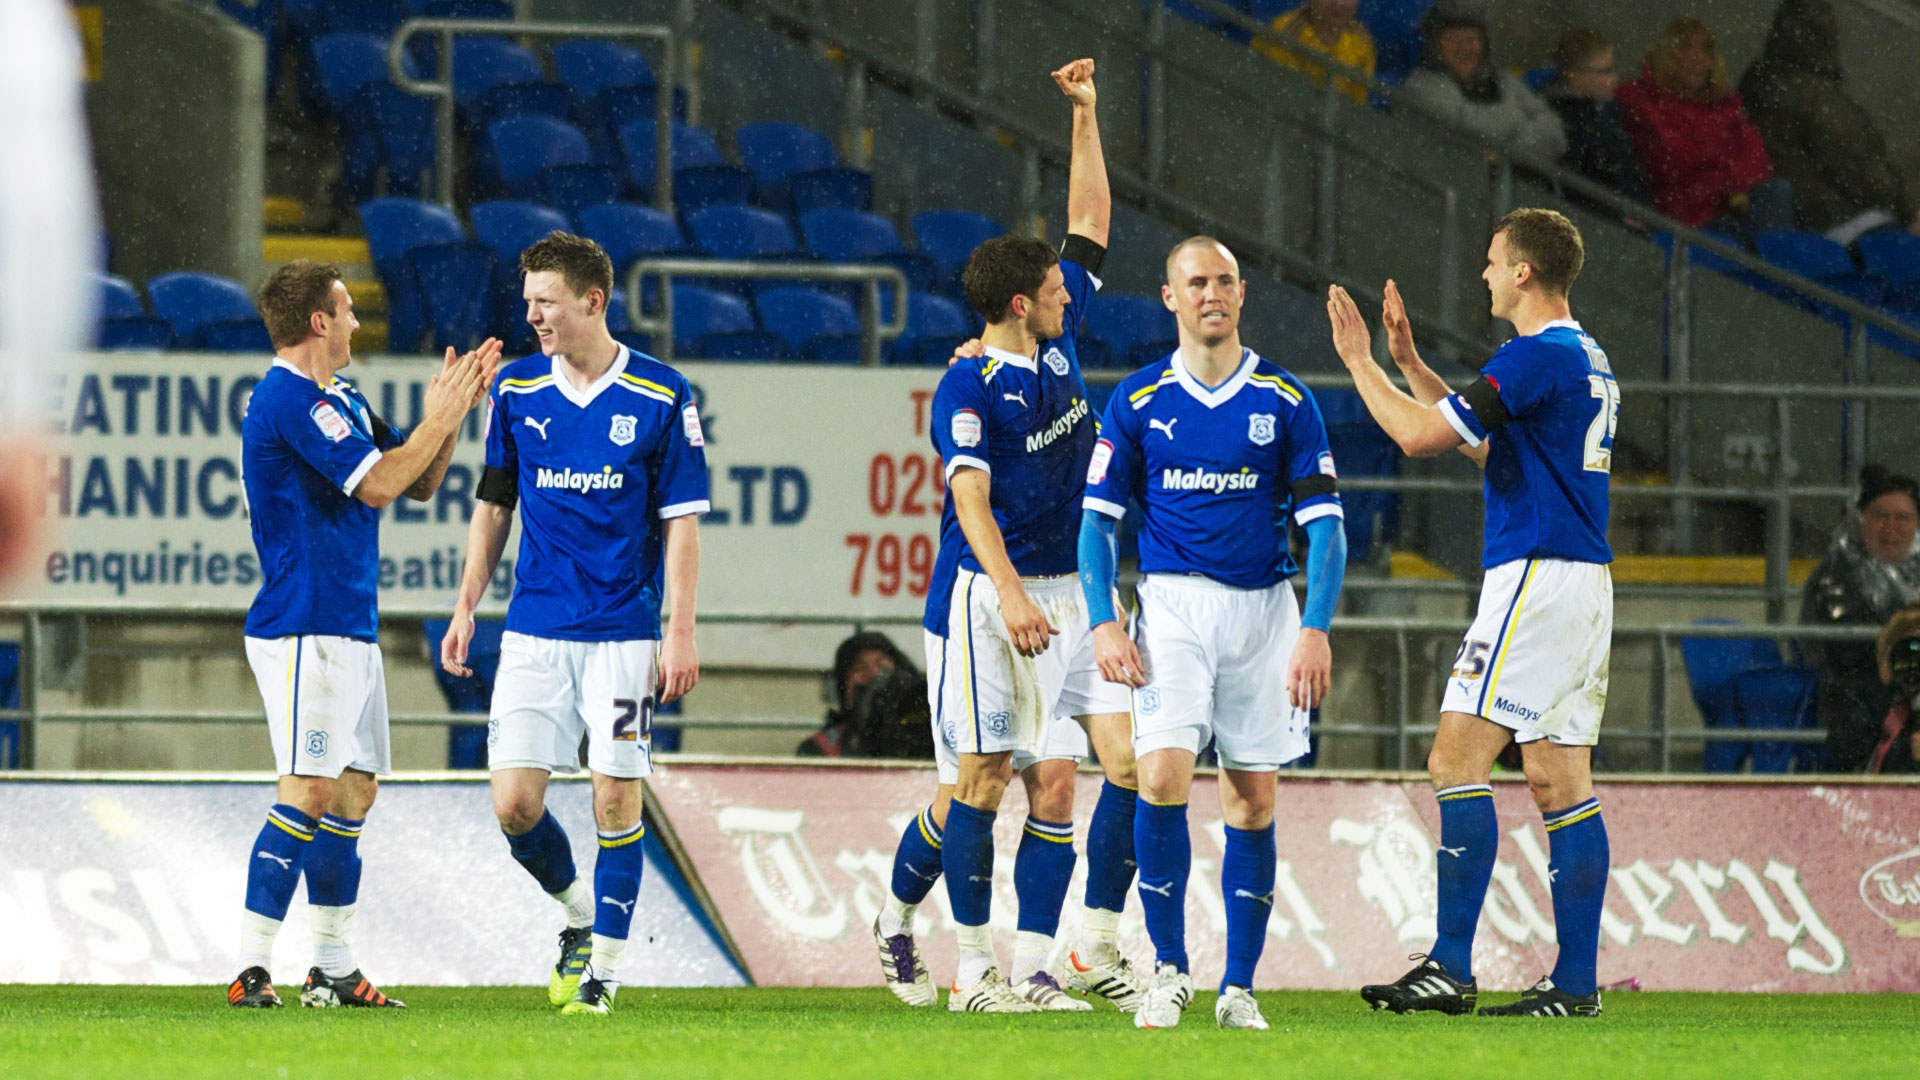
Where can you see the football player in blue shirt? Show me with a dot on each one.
(1009, 660)
(1221, 449)
(318, 465)
(1533, 668)
(602, 451)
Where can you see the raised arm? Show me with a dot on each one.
(1427, 386)
(415, 467)
(1089, 202)
(1419, 430)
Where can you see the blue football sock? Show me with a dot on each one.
(1469, 840)
(1042, 870)
(1110, 862)
(1165, 852)
(273, 873)
(616, 880)
(916, 862)
(333, 862)
(545, 853)
(1578, 863)
(966, 857)
(1246, 877)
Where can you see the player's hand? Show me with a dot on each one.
(455, 389)
(1027, 626)
(1351, 338)
(679, 667)
(1393, 317)
(967, 350)
(1118, 656)
(487, 360)
(1310, 671)
(453, 647)
(1076, 81)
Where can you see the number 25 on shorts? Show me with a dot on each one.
(1471, 661)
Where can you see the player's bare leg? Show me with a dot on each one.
(966, 857)
(332, 870)
(617, 811)
(1461, 768)
(916, 868)
(1042, 869)
(1246, 879)
(1561, 778)
(541, 847)
(1094, 964)
(1164, 850)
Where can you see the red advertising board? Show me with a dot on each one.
(1715, 886)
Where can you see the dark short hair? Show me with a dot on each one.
(580, 262)
(290, 297)
(1878, 480)
(1577, 46)
(1546, 241)
(1003, 268)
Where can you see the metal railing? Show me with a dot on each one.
(876, 329)
(441, 89)
(1407, 721)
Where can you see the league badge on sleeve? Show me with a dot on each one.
(622, 431)
(966, 428)
(1260, 428)
(1097, 466)
(1326, 464)
(330, 422)
(1056, 361)
(690, 426)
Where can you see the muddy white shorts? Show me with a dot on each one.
(549, 693)
(1216, 658)
(326, 701)
(1536, 658)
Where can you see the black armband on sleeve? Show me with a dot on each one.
(497, 486)
(382, 431)
(1485, 399)
(1319, 484)
(1079, 249)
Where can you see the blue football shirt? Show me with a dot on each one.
(1549, 404)
(1026, 422)
(595, 473)
(304, 448)
(1216, 471)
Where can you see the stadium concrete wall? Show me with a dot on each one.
(142, 881)
(1715, 886)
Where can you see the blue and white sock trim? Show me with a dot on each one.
(1560, 819)
(621, 839)
(929, 831)
(1058, 832)
(340, 826)
(1464, 791)
(301, 829)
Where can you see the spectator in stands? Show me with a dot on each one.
(858, 661)
(1581, 92)
(1458, 83)
(1821, 139)
(1707, 164)
(1870, 574)
(1899, 651)
(1326, 27)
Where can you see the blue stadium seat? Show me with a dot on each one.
(748, 345)
(1207, 20)
(1395, 26)
(935, 326)
(691, 146)
(570, 189)
(774, 151)
(1892, 257)
(399, 136)
(380, 18)
(236, 336)
(838, 188)
(699, 311)
(617, 318)
(630, 232)
(590, 68)
(948, 237)
(342, 64)
(1133, 327)
(1778, 697)
(1712, 664)
(700, 186)
(1094, 354)
(507, 229)
(742, 232)
(523, 99)
(482, 63)
(1814, 256)
(856, 236)
(393, 228)
(805, 317)
(461, 9)
(124, 322)
(117, 298)
(190, 301)
(456, 287)
(524, 147)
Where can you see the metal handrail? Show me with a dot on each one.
(442, 88)
(875, 328)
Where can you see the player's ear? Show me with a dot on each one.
(1019, 306)
(1166, 298)
(601, 307)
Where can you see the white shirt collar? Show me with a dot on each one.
(1570, 324)
(584, 399)
(1213, 398)
(1014, 358)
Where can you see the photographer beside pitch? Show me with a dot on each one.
(318, 466)
(1533, 668)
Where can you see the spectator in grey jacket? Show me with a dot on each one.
(1458, 84)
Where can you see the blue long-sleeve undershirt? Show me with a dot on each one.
(1326, 568)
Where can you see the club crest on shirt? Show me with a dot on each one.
(329, 421)
(1260, 428)
(1056, 361)
(622, 431)
(316, 744)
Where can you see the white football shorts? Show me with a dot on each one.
(1216, 658)
(987, 699)
(326, 701)
(549, 693)
(1536, 658)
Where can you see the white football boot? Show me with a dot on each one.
(1168, 995)
(989, 994)
(1237, 1009)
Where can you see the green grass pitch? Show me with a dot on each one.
(134, 1033)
